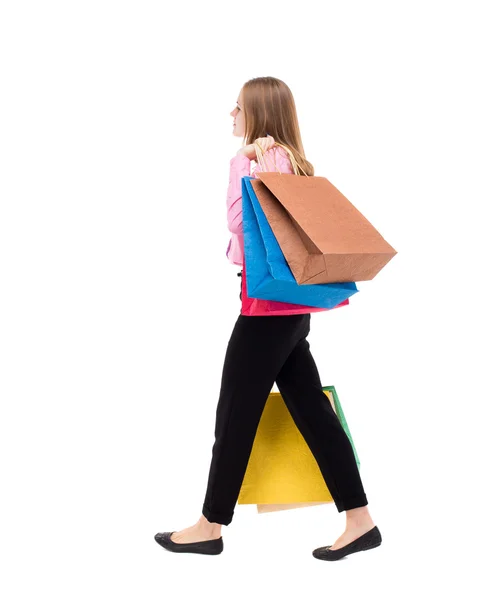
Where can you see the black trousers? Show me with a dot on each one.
(262, 350)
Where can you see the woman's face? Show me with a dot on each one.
(238, 118)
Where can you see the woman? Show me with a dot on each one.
(265, 349)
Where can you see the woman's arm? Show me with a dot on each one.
(239, 167)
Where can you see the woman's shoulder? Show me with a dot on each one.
(278, 157)
(277, 152)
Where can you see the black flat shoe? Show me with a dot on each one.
(370, 539)
(207, 547)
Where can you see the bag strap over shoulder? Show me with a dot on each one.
(261, 158)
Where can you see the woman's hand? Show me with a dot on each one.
(250, 151)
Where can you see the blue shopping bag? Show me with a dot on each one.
(268, 275)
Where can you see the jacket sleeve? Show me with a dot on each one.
(239, 167)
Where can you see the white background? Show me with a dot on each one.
(117, 300)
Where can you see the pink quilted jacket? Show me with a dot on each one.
(239, 167)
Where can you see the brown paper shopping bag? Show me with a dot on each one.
(323, 236)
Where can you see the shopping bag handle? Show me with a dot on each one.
(260, 158)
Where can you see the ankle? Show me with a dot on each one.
(357, 517)
(209, 526)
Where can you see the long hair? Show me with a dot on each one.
(269, 109)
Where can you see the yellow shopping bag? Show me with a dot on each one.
(282, 473)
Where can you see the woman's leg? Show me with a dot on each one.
(301, 389)
(258, 348)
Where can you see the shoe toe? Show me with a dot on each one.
(320, 552)
(163, 538)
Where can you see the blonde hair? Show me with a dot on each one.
(269, 109)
